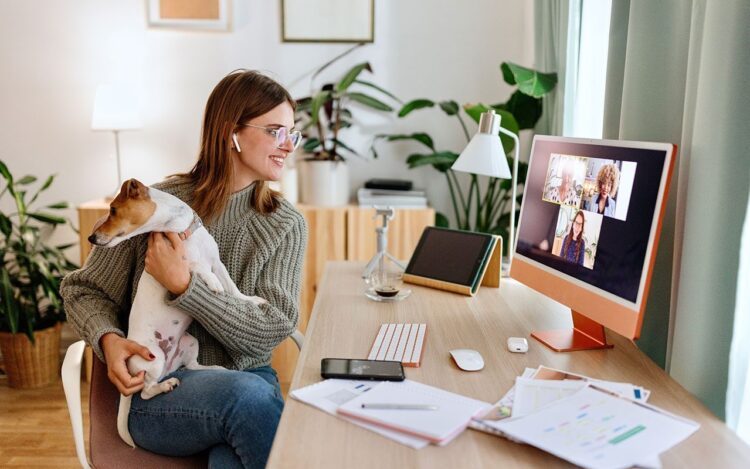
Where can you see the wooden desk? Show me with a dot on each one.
(344, 324)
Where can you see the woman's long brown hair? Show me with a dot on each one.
(240, 96)
(579, 239)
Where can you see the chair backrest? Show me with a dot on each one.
(106, 448)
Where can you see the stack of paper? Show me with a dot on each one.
(394, 198)
(589, 422)
(446, 414)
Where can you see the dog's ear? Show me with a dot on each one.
(134, 189)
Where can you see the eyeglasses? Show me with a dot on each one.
(281, 134)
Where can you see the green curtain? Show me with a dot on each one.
(551, 44)
(677, 74)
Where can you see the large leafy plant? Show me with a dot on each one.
(322, 116)
(31, 270)
(486, 205)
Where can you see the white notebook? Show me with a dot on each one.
(452, 414)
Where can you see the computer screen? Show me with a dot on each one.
(589, 226)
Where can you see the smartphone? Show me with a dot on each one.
(346, 368)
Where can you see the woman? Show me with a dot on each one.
(606, 183)
(231, 413)
(565, 193)
(574, 247)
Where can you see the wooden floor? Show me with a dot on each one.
(35, 427)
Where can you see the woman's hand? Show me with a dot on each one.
(167, 262)
(117, 350)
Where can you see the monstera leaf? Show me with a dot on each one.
(529, 81)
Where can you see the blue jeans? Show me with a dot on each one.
(232, 414)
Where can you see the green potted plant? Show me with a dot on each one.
(486, 206)
(31, 307)
(322, 117)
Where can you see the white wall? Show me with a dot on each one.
(53, 55)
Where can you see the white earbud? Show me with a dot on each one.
(236, 143)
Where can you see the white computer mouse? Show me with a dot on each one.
(467, 359)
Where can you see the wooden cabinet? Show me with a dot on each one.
(334, 234)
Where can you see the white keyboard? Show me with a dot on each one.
(399, 342)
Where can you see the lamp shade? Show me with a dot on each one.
(115, 108)
(484, 155)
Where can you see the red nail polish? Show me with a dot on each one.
(151, 356)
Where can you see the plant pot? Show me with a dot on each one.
(32, 365)
(324, 183)
(289, 184)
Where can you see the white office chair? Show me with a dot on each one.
(103, 413)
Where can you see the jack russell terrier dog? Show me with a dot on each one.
(161, 328)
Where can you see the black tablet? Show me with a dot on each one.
(450, 255)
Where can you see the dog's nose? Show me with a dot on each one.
(92, 239)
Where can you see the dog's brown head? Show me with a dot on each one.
(128, 212)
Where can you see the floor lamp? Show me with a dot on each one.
(115, 109)
(484, 155)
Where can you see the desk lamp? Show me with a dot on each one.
(484, 155)
(115, 109)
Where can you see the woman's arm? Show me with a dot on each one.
(94, 295)
(242, 326)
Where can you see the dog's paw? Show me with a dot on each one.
(212, 281)
(169, 384)
(256, 300)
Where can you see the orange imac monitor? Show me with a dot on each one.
(588, 231)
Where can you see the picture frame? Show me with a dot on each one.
(209, 15)
(334, 21)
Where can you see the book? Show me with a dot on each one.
(393, 184)
(364, 192)
(401, 199)
(451, 415)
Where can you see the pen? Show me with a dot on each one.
(400, 406)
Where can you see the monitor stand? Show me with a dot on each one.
(586, 334)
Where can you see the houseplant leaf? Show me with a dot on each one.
(47, 218)
(420, 137)
(449, 107)
(441, 220)
(529, 81)
(9, 303)
(28, 179)
(414, 105)
(352, 75)
(6, 174)
(442, 161)
(311, 144)
(5, 225)
(317, 102)
(369, 101)
(376, 87)
(526, 109)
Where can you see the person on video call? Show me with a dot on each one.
(565, 193)
(574, 247)
(606, 184)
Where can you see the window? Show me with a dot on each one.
(588, 43)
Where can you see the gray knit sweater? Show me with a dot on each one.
(263, 254)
